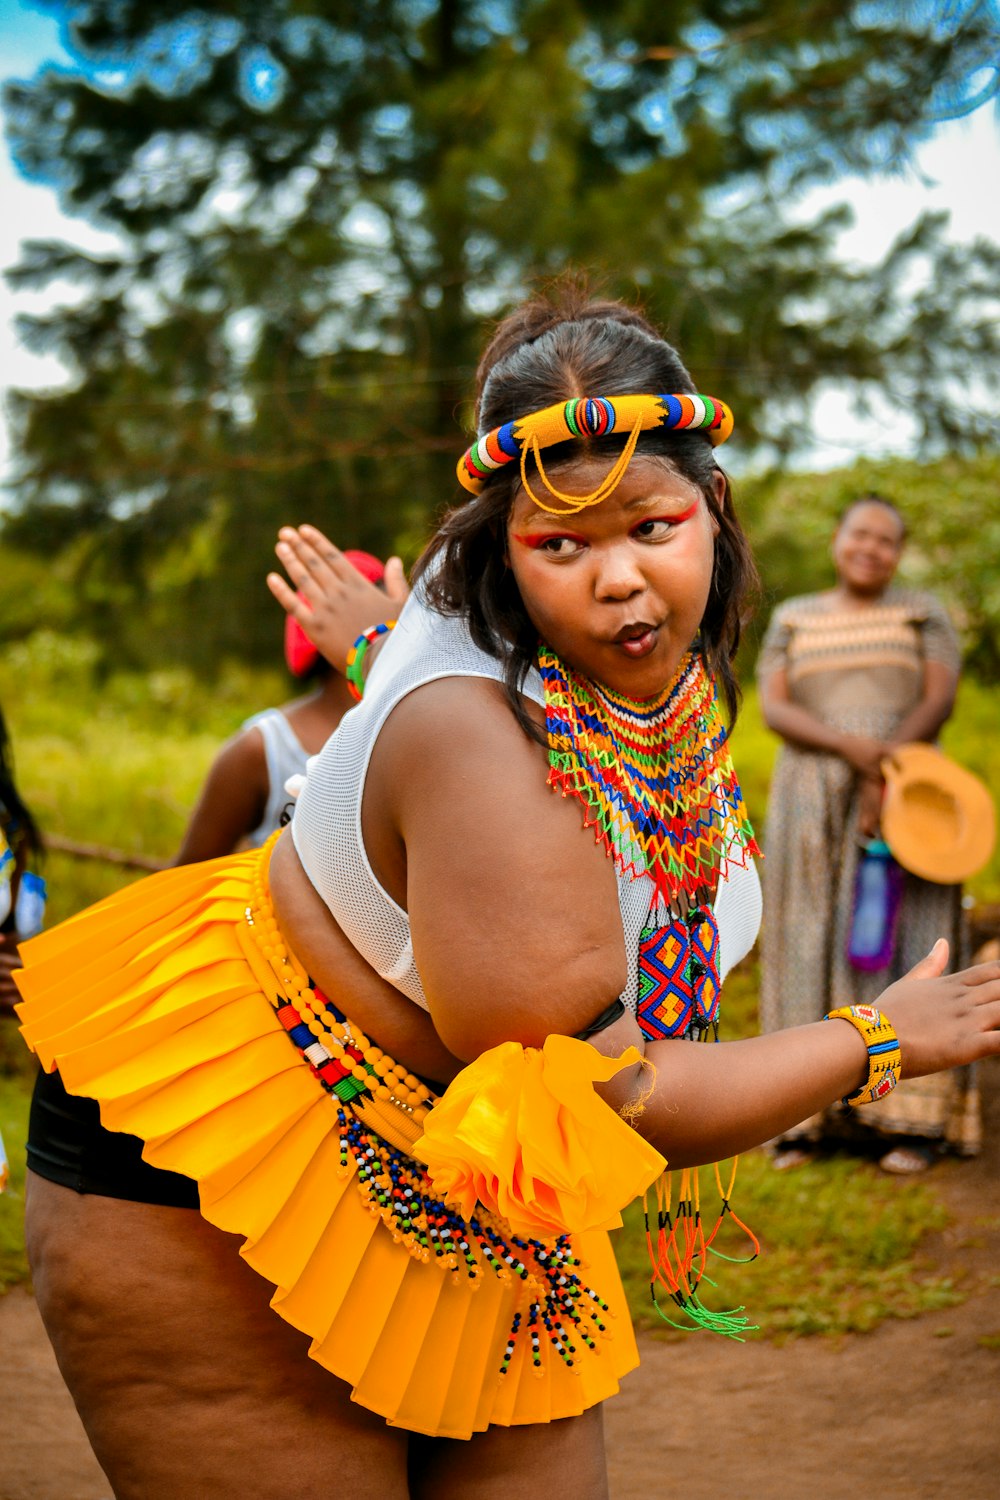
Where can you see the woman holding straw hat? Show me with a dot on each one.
(846, 677)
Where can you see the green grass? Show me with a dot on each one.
(839, 1243)
(15, 1092)
(117, 763)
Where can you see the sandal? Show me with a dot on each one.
(906, 1161)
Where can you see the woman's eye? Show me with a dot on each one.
(655, 529)
(561, 546)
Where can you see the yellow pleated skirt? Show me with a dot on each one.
(155, 1003)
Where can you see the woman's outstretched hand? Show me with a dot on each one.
(337, 604)
(944, 1020)
(708, 1103)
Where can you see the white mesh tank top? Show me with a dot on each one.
(326, 827)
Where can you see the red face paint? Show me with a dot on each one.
(537, 539)
(685, 515)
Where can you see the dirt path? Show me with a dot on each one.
(910, 1412)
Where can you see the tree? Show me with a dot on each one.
(318, 204)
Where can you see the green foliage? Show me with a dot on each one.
(317, 206)
(119, 762)
(33, 591)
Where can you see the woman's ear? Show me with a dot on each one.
(719, 489)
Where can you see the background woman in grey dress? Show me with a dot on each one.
(844, 676)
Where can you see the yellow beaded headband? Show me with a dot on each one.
(584, 417)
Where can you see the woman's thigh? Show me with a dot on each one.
(555, 1459)
(187, 1383)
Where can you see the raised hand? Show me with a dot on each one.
(944, 1020)
(336, 603)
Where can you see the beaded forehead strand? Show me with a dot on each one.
(588, 417)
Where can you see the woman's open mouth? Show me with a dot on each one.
(638, 641)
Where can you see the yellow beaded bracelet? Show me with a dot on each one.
(884, 1062)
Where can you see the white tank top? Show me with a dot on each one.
(326, 827)
(285, 756)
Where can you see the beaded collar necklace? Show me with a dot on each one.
(655, 777)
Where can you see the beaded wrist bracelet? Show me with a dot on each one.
(356, 656)
(883, 1051)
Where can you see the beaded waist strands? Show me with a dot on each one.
(381, 1108)
(658, 786)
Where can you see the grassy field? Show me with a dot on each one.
(119, 765)
(14, 1093)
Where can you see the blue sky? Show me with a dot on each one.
(957, 170)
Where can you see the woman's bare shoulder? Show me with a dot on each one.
(457, 695)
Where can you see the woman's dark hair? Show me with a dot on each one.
(871, 498)
(19, 825)
(555, 347)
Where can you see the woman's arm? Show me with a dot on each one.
(398, 1026)
(711, 1101)
(800, 727)
(517, 935)
(513, 909)
(231, 802)
(933, 710)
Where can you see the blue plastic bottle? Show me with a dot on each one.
(878, 886)
(29, 909)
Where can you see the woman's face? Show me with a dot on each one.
(867, 547)
(618, 589)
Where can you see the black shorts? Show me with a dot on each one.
(68, 1144)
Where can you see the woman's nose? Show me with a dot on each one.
(618, 575)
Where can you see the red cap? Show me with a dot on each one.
(300, 653)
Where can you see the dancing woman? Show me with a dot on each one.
(419, 1053)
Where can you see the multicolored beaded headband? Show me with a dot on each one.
(583, 417)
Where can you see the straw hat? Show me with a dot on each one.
(937, 818)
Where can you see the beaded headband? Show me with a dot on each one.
(583, 417)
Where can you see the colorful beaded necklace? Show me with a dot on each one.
(657, 783)
(656, 777)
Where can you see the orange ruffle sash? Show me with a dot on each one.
(521, 1131)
